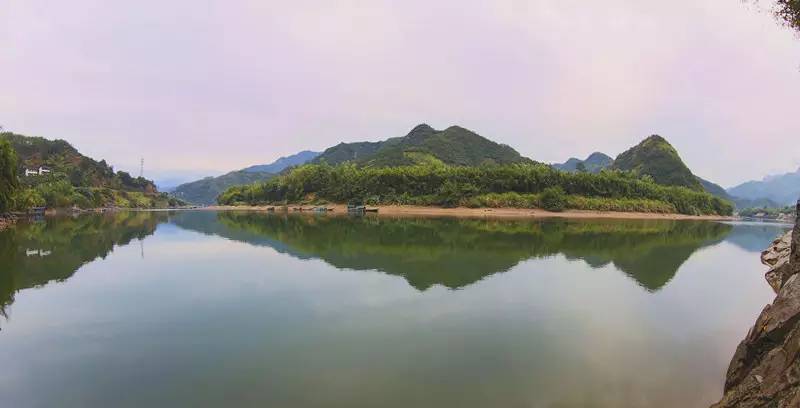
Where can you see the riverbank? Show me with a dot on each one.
(421, 211)
(764, 369)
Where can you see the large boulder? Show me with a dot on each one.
(765, 369)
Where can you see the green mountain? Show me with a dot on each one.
(657, 158)
(595, 163)
(205, 191)
(453, 146)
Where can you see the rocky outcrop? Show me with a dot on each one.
(765, 370)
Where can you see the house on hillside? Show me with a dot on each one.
(42, 171)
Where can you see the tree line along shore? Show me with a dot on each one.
(519, 185)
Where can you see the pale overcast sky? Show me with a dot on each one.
(200, 87)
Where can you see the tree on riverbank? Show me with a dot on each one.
(8, 175)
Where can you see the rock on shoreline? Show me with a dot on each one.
(765, 369)
(6, 221)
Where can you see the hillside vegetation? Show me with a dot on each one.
(74, 179)
(512, 185)
(453, 146)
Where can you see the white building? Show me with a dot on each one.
(42, 171)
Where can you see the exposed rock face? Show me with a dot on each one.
(765, 370)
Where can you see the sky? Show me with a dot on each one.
(204, 87)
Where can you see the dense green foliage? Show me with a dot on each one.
(56, 192)
(457, 185)
(205, 191)
(454, 146)
(553, 199)
(575, 202)
(8, 176)
(656, 158)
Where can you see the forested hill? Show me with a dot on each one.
(654, 157)
(657, 158)
(424, 144)
(72, 179)
(62, 158)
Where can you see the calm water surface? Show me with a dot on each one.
(204, 309)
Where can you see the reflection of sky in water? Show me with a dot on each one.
(207, 321)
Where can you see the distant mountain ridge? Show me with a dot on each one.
(206, 190)
(595, 163)
(453, 146)
(283, 163)
(783, 189)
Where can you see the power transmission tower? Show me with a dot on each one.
(141, 167)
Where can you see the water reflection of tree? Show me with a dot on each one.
(36, 253)
(458, 252)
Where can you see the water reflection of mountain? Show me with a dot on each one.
(37, 253)
(459, 252)
(755, 237)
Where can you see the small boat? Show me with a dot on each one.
(356, 208)
(322, 209)
(271, 209)
(372, 210)
(37, 210)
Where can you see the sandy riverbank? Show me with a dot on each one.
(407, 210)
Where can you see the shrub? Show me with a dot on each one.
(553, 199)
